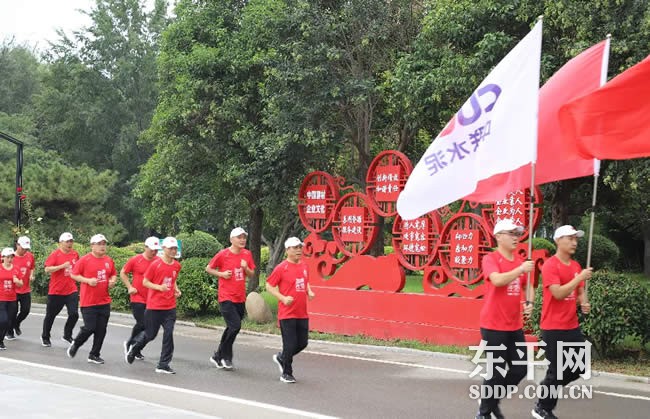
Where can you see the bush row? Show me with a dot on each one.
(619, 308)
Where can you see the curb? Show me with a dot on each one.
(395, 349)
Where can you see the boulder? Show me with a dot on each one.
(257, 309)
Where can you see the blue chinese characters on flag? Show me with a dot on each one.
(495, 131)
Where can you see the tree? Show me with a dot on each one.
(20, 79)
(100, 92)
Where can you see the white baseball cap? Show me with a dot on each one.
(152, 243)
(292, 242)
(238, 231)
(24, 242)
(169, 242)
(65, 237)
(567, 230)
(98, 238)
(506, 224)
(8, 251)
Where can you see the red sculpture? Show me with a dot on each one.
(361, 294)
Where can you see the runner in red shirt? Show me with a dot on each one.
(231, 266)
(62, 289)
(137, 266)
(160, 278)
(24, 261)
(97, 275)
(563, 281)
(501, 316)
(9, 281)
(289, 283)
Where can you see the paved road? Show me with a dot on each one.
(334, 380)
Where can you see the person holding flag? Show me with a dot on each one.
(24, 261)
(137, 266)
(501, 319)
(160, 278)
(563, 281)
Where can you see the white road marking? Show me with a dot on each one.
(407, 364)
(213, 396)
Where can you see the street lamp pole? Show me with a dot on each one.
(19, 176)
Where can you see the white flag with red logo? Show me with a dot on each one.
(495, 131)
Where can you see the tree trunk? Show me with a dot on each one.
(255, 242)
(646, 251)
(377, 248)
(560, 204)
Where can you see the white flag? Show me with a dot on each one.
(494, 132)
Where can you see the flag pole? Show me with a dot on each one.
(530, 291)
(603, 80)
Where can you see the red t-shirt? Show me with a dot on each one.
(291, 279)
(234, 288)
(7, 286)
(61, 283)
(160, 273)
(101, 268)
(559, 314)
(137, 266)
(25, 265)
(502, 306)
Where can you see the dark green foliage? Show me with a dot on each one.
(542, 243)
(198, 245)
(604, 253)
(199, 289)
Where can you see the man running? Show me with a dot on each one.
(62, 289)
(160, 278)
(96, 272)
(231, 266)
(9, 281)
(501, 320)
(563, 281)
(137, 266)
(289, 283)
(24, 262)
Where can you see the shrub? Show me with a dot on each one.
(619, 308)
(388, 250)
(199, 289)
(604, 253)
(542, 243)
(265, 254)
(119, 293)
(198, 245)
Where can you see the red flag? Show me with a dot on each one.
(578, 77)
(614, 121)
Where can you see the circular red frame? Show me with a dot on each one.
(466, 221)
(418, 262)
(332, 194)
(387, 158)
(369, 224)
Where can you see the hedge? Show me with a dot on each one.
(604, 253)
(542, 243)
(619, 308)
(198, 244)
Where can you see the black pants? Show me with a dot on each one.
(515, 373)
(7, 314)
(232, 313)
(25, 304)
(153, 319)
(95, 323)
(137, 309)
(54, 306)
(552, 337)
(295, 333)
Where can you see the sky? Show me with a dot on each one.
(35, 21)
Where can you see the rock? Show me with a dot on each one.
(257, 309)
